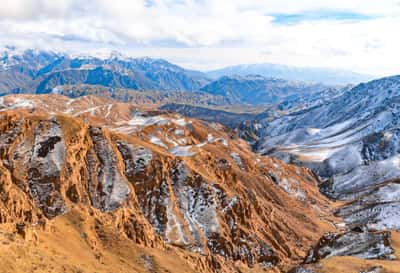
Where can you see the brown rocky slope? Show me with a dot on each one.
(98, 186)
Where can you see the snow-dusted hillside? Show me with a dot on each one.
(354, 141)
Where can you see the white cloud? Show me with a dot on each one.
(210, 33)
(34, 9)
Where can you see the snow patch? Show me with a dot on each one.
(157, 141)
(181, 122)
(182, 151)
(17, 103)
(236, 157)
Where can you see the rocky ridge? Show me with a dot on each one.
(158, 179)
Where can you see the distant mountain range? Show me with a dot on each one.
(259, 90)
(39, 72)
(305, 74)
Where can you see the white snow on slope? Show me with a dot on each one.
(181, 122)
(147, 121)
(212, 139)
(236, 157)
(367, 175)
(182, 151)
(174, 229)
(16, 103)
(157, 141)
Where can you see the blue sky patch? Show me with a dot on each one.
(290, 19)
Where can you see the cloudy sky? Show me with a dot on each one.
(359, 35)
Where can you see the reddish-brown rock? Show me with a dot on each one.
(157, 179)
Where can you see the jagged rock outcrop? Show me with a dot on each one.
(158, 179)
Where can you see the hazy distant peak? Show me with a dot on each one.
(303, 74)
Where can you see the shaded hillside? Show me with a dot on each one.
(351, 141)
(229, 119)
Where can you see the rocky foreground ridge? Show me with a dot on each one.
(124, 177)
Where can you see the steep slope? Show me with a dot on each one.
(352, 141)
(112, 179)
(305, 74)
(360, 119)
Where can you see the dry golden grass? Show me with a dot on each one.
(71, 244)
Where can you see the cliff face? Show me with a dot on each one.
(154, 180)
